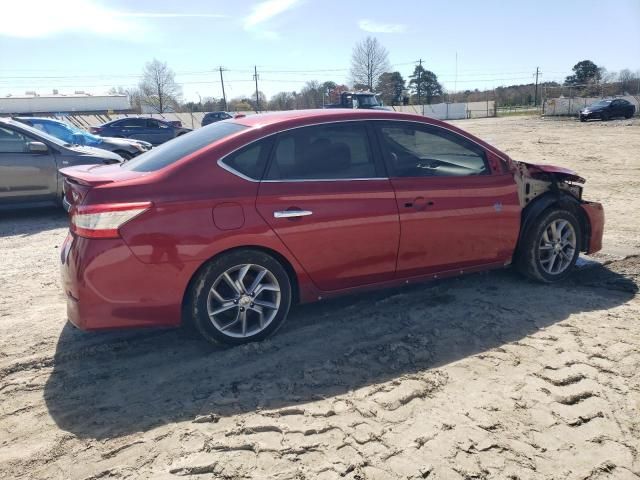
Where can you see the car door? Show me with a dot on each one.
(455, 211)
(326, 196)
(158, 131)
(131, 128)
(25, 176)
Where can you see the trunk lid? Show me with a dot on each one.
(82, 178)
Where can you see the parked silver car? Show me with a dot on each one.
(29, 163)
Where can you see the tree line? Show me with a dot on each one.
(370, 70)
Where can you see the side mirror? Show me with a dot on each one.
(78, 139)
(38, 147)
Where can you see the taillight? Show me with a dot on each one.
(104, 220)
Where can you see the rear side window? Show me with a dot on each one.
(414, 150)
(180, 147)
(334, 151)
(130, 122)
(250, 160)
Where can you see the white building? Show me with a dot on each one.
(79, 102)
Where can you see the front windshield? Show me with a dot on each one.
(89, 137)
(368, 101)
(71, 133)
(601, 103)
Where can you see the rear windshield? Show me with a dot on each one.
(180, 147)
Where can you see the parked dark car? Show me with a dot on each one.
(229, 225)
(212, 117)
(29, 163)
(150, 130)
(125, 147)
(606, 109)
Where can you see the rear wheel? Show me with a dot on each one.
(550, 248)
(243, 296)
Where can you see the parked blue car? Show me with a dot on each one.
(150, 130)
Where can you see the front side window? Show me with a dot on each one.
(323, 152)
(415, 150)
(130, 123)
(13, 142)
(151, 123)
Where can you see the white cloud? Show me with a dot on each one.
(375, 27)
(266, 10)
(168, 15)
(44, 18)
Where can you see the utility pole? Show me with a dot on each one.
(224, 96)
(455, 84)
(535, 97)
(255, 77)
(419, 74)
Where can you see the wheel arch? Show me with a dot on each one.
(555, 200)
(286, 264)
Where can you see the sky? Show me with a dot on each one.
(92, 45)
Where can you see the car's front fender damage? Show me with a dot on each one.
(543, 186)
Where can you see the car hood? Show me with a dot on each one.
(596, 108)
(560, 172)
(98, 153)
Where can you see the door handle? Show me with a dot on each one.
(292, 213)
(419, 203)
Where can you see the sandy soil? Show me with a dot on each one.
(487, 376)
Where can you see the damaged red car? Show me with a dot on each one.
(226, 227)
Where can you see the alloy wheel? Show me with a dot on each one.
(557, 246)
(243, 300)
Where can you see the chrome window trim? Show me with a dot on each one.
(295, 180)
(244, 177)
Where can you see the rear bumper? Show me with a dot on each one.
(595, 215)
(108, 287)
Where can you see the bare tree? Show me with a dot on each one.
(627, 80)
(158, 88)
(368, 61)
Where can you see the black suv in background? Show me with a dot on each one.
(606, 109)
(212, 117)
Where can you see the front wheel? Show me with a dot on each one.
(549, 250)
(604, 117)
(241, 297)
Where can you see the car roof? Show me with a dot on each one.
(324, 115)
(40, 119)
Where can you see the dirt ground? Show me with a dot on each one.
(486, 376)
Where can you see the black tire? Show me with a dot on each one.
(124, 154)
(582, 119)
(204, 281)
(628, 116)
(604, 116)
(528, 258)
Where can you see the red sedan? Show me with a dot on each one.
(227, 226)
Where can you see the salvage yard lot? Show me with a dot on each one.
(486, 376)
